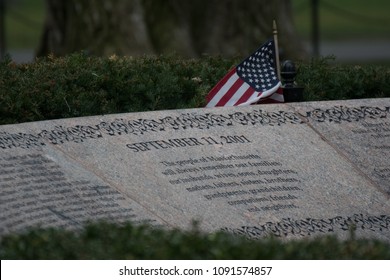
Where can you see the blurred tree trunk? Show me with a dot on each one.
(189, 28)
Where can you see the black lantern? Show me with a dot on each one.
(291, 92)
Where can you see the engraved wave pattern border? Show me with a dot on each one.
(309, 226)
(80, 133)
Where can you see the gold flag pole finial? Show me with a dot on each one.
(275, 32)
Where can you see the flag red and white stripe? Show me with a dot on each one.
(253, 80)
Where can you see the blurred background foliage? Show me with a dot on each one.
(188, 28)
(193, 28)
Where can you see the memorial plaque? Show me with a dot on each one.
(286, 170)
(358, 130)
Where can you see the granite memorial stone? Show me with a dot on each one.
(290, 170)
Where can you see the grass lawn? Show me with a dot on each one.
(23, 22)
(345, 19)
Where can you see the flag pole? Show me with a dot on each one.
(275, 32)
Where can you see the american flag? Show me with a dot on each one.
(253, 80)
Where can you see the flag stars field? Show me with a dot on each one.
(253, 80)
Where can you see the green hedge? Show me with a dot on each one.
(109, 241)
(323, 79)
(81, 85)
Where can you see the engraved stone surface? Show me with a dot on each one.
(292, 170)
(361, 133)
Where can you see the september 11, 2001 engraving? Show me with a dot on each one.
(187, 142)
